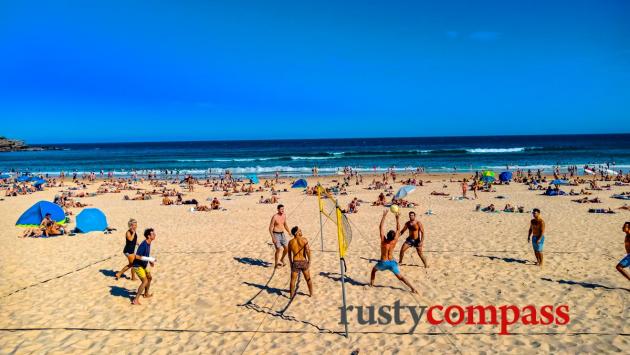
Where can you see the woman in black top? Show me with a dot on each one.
(131, 240)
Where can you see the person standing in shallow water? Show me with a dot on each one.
(537, 235)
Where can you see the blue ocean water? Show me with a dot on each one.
(298, 157)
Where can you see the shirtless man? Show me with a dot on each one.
(300, 259)
(537, 235)
(277, 226)
(415, 239)
(625, 262)
(388, 243)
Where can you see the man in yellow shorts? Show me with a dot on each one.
(141, 263)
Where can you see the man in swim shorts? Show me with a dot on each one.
(141, 263)
(625, 262)
(277, 226)
(537, 235)
(415, 239)
(388, 243)
(300, 259)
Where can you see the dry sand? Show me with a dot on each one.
(59, 295)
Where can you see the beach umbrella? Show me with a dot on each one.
(560, 182)
(300, 184)
(34, 216)
(487, 178)
(23, 178)
(404, 191)
(5, 176)
(488, 173)
(253, 178)
(91, 219)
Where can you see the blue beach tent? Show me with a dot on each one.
(36, 213)
(90, 220)
(253, 178)
(300, 184)
(23, 178)
(560, 182)
(505, 176)
(5, 176)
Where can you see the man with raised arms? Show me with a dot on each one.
(388, 243)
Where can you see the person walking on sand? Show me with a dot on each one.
(388, 243)
(464, 188)
(300, 259)
(537, 235)
(141, 263)
(415, 239)
(131, 240)
(625, 262)
(277, 226)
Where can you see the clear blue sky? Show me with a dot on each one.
(81, 71)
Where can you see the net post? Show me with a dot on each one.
(321, 225)
(342, 264)
(342, 268)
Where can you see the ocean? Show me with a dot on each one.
(298, 157)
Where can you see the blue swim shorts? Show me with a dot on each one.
(625, 262)
(538, 247)
(390, 265)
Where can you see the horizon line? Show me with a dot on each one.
(319, 139)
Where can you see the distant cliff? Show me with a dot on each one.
(13, 145)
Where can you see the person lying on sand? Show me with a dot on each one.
(34, 232)
(202, 208)
(509, 208)
(601, 210)
(435, 193)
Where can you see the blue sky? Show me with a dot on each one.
(77, 71)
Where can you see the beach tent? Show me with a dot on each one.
(300, 184)
(23, 178)
(404, 191)
(253, 178)
(36, 213)
(5, 176)
(505, 176)
(91, 219)
(560, 182)
(38, 182)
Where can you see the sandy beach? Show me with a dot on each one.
(214, 290)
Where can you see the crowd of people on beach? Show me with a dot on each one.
(290, 241)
